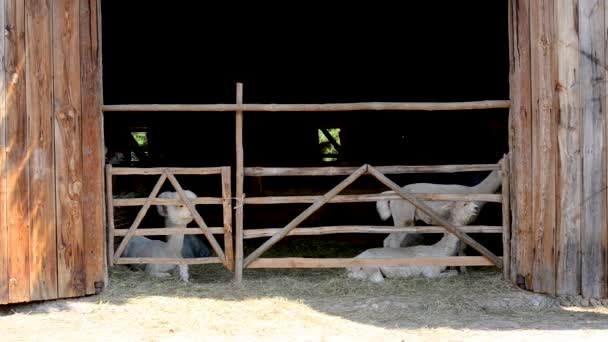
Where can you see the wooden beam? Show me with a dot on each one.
(168, 231)
(326, 107)
(436, 218)
(92, 147)
(305, 214)
(592, 73)
(227, 217)
(169, 261)
(506, 218)
(347, 170)
(240, 178)
(520, 141)
(110, 215)
(67, 98)
(373, 198)
(3, 170)
(569, 181)
(135, 202)
(39, 87)
(262, 232)
(17, 155)
(117, 171)
(351, 262)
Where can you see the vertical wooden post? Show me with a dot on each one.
(17, 155)
(39, 86)
(506, 218)
(110, 215)
(520, 139)
(240, 174)
(3, 190)
(92, 148)
(569, 181)
(227, 209)
(544, 142)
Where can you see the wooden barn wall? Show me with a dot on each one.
(558, 144)
(51, 209)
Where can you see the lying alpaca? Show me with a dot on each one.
(459, 213)
(405, 214)
(176, 216)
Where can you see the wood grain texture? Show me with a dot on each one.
(68, 147)
(17, 155)
(92, 147)
(39, 87)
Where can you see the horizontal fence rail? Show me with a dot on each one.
(325, 107)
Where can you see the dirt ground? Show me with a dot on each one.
(303, 305)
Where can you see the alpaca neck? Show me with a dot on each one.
(490, 184)
(448, 243)
(176, 241)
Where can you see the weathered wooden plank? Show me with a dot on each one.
(186, 261)
(262, 232)
(325, 107)
(351, 262)
(109, 216)
(506, 219)
(39, 87)
(3, 189)
(92, 147)
(17, 155)
(135, 202)
(592, 73)
(227, 215)
(68, 147)
(497, 198)
(569, 158)
(347, 170)
(239, 178)
(520, 138)
(168, 231)
(160, 170)
(544, 136)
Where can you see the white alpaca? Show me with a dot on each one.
(459, 213)
(176, 216)
(405, 214)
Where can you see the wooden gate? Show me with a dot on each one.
(224, 256)
(253, 260)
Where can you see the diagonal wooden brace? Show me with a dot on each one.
(304, 215)
(140, 216)
(427, 210)
(197, 217)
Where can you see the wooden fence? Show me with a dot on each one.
(224, 256)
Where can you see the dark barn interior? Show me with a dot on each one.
(191, 53)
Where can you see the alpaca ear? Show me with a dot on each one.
(162, 209)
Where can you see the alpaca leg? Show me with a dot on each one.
(183, 273)
(461, 247)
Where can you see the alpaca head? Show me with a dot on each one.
(463, 213)
(178, 215)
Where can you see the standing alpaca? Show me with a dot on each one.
(176, 216)
(405, 214)
(458, 213)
